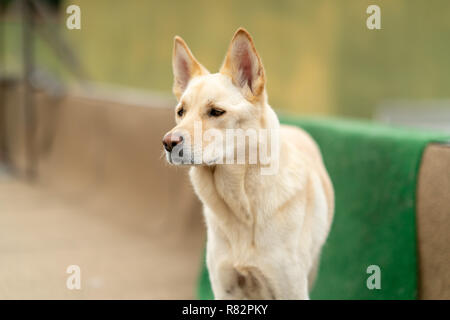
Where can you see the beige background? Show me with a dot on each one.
(104, 199)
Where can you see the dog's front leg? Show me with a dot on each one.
(270, 279)
(240, 282)
(251, 282)
(220, 264)
(290, 282)
(278, 275)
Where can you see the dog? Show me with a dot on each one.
(265, 231)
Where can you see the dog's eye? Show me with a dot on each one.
(213, 112)
(180, 112)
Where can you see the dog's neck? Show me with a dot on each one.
(230, 181)
(237, 172)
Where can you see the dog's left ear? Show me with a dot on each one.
(244, 65)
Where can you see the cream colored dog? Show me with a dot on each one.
(265, 231)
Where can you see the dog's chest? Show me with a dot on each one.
(239, 191)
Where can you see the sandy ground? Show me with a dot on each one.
(42, 233)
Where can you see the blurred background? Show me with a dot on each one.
(319, 56)
(82, 113)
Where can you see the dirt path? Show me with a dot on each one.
(43, 233)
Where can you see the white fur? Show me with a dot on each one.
(264, 232)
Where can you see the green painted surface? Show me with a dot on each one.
(374, 171)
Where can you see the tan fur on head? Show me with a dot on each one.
(238, 90)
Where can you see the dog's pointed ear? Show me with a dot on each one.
(185, 66)
(243, 64)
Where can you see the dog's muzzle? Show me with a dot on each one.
(171, 140)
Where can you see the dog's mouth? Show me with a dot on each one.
(186, 158)
(180, 157)
(177, 158)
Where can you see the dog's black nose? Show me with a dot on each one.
(170, 140)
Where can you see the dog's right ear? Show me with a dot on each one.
(243, 65)
(185, 66)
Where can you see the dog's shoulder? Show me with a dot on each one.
(298, 143)
(301, 140)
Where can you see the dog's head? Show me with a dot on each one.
(210, 105)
